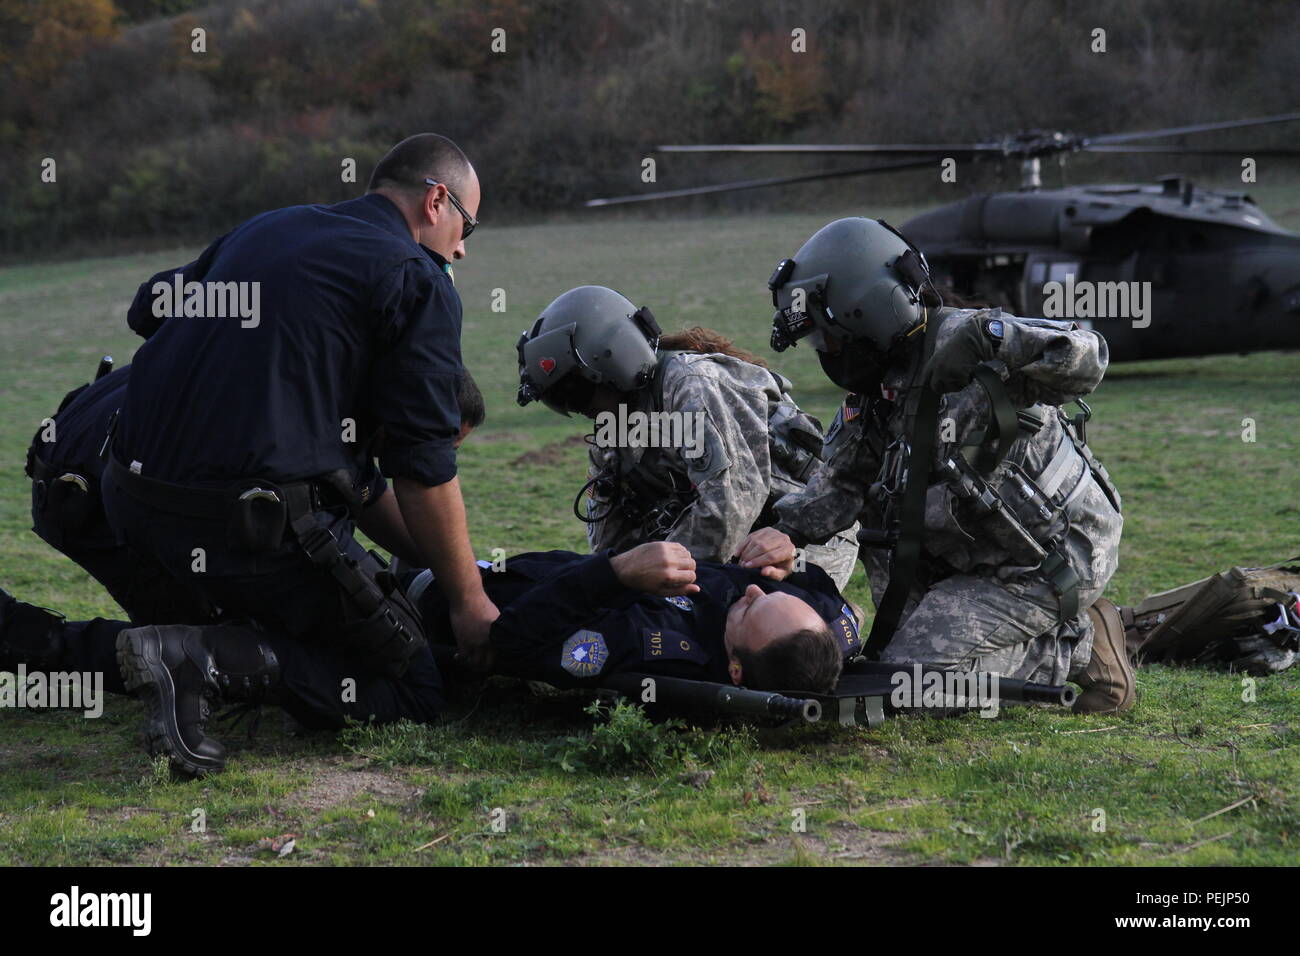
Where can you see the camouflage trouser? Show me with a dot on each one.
(1013, 629)
(837, 557)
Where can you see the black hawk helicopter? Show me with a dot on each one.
(1212, 271)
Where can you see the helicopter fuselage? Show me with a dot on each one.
(1192, 271)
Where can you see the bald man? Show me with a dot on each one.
(271, 366)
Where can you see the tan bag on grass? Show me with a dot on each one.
(1246, 618)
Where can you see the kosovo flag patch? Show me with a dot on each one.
(584, 654)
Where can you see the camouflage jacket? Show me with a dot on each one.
(743, 467)
(1044, 365)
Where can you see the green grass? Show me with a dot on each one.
(1023, 788)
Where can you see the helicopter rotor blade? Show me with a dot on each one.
(761, 183)
(1194, 128)
(944, 149)
(1189, 151)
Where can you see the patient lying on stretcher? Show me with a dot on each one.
(570, 619)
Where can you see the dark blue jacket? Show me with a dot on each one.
(357, 323)
(81, 425)
(566, 619)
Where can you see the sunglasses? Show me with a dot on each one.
(470, 221)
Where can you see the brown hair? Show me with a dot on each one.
(955, 300)
(808, 660)
(697, 339)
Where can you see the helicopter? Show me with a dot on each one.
(1162, 270)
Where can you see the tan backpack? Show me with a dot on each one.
(1246, 618)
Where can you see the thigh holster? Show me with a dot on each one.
(378, 619)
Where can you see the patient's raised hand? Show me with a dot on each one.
(658, 567)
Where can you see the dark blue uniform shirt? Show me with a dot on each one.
(357, 322)
(567, 620)
(82, 423)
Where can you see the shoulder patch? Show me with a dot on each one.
(584, 654)
(712, 458)
(662, 645)
(836, 424)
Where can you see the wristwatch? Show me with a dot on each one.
(994, 329)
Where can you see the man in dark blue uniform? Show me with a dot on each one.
(273, 364)
(66, 467)
(571, 620)
(67, 513)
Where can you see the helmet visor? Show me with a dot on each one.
(855, 367)
(573, 393)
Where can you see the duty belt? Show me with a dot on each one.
(43, 475)
(378, 619)
(300, 497)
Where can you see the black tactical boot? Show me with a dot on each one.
(180, 672)
(29, 635)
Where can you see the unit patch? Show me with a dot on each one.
(584, 654)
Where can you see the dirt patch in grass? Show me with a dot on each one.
(484, 437)
(550, 454)
(338, 782)
(844, 844)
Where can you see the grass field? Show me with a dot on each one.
(1031, 786)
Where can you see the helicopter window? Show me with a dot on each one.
(1036, 272)
(1057, 271)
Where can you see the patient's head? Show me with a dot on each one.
(472, 408)
(777, 641)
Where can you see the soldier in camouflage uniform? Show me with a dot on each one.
(592, 351)
(1021, 524)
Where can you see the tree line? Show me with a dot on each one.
(166, 119)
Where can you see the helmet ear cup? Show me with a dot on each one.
(907, 309)
(591, 335)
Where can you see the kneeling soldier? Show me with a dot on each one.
(721, 439)
(992, 528)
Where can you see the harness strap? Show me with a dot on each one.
(1071, 428)
(1003, 420)
(1064, 581)
(1054, 472)
(921, 416)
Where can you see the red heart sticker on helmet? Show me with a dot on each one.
(547, 365)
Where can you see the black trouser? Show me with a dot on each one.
(297, 606)
(320, 686)
(147, 593)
